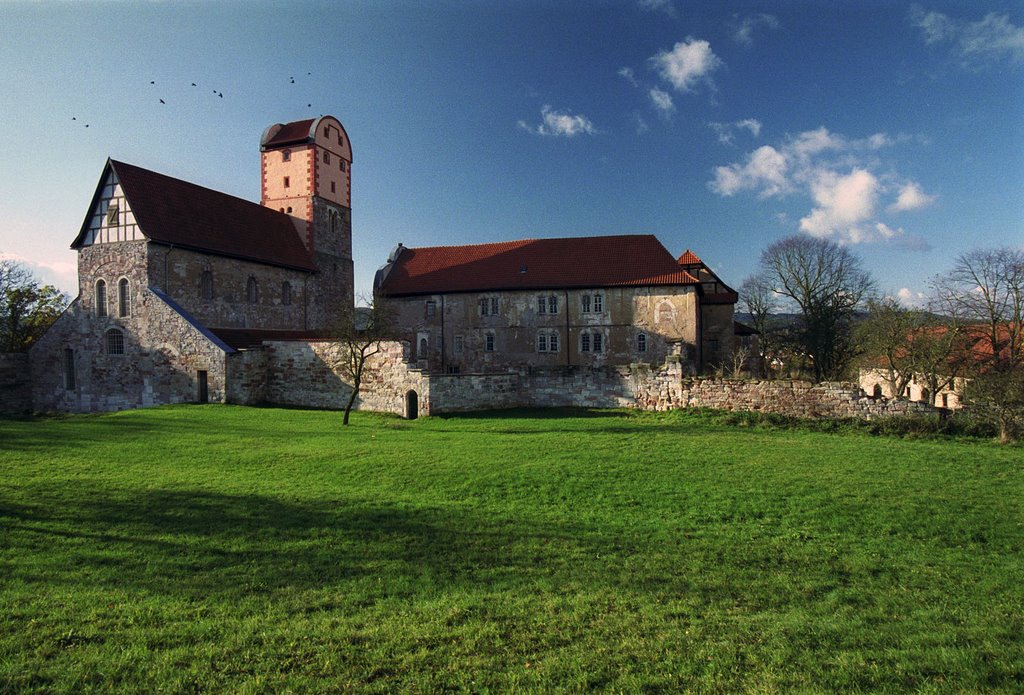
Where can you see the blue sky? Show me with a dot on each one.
(896, 128)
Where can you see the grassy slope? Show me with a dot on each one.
(259, 549)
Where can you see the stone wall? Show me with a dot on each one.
(15, 384)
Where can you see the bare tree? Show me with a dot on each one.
(985, 288)
(826, 284)
(761, 302)
(360, 334)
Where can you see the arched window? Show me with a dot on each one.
(115, 342)
(641, 342)
(286, 293)
(101, 298)
(206, 285)
(252, 290)
(876, 392)
(124, 303)
(69, 369)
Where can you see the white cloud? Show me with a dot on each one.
(688, 63)
(628, 75)
(63, 273)
(727, 131)
(640, 123)
(838, 174)
(990, 39)
(666, 6)
(662, 101)
(911, 298)
(751, 124)
(560, 123)
(744, 31)
(911, 197)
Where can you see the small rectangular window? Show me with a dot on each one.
(286, 156)
(585, 304)
(542, 343)
(553, 342)
(327, 157)
(598, 339)
(69, 369)
(585, 342)
(112, 214)
(484, 304)
(552, 304)
(459, 345)
(542, 305)
(332, 186)
(598, 303)
(341, 164)
(494, 306)
(287, 182)
(489, 342)
(430, 309)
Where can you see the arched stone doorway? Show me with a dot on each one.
(877, 391)
(412, 405)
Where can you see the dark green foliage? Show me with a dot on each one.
(213, 548)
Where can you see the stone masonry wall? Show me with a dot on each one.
(15, 384)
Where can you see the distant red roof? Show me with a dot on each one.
(690, 258)
(607, 261)
(290, 133)
(172, 211)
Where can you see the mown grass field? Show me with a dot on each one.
(218, 548)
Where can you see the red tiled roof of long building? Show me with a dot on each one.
(172, 211)
(606, 261)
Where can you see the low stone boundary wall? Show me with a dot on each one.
(300, 373)
(15, 383)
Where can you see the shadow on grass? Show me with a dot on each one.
(196, 544)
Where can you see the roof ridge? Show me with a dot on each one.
(529, 239)
(116, 163)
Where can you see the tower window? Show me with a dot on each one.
(115, 342)
(124, 304)
(287, 182)
(101, 298)
(289, 211)
(341, 164)
(206, 285)
(286, 156)
(332, 186)
(327, 157)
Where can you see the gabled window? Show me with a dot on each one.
(115, 342)
(286, 293)
(112, 211)
(252, 290)
(124, 300)
(585, 304)
(101, 298)
(206, 285)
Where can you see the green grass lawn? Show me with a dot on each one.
(236, 549)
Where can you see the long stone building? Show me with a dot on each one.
(190, 295)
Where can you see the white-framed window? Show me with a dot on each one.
(584, 342)
(252, 290)
(641, 342)
(489, 342)
(485, 304)
(430, 308)
(460, 344)
(552, 304)
(591, 341)
(115, 342)
(542, 305)
(547, 341)
(585, 304)
(124, 298)
(553, 342)
(542, 342)
(494, 306)
(101, 297)
(598, 303)
(286, 293)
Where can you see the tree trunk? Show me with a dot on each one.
(351, 401)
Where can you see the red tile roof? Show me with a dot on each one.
(608, 261)
(690, 258)
(289, 134)
(172, 211)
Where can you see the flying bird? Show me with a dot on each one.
(220, 94)
(162, 101)
(73, 118)
(193, 84)
(152, 81)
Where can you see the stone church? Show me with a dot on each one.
(190, 295)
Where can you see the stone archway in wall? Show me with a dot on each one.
(412, 405)
(876, 392)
